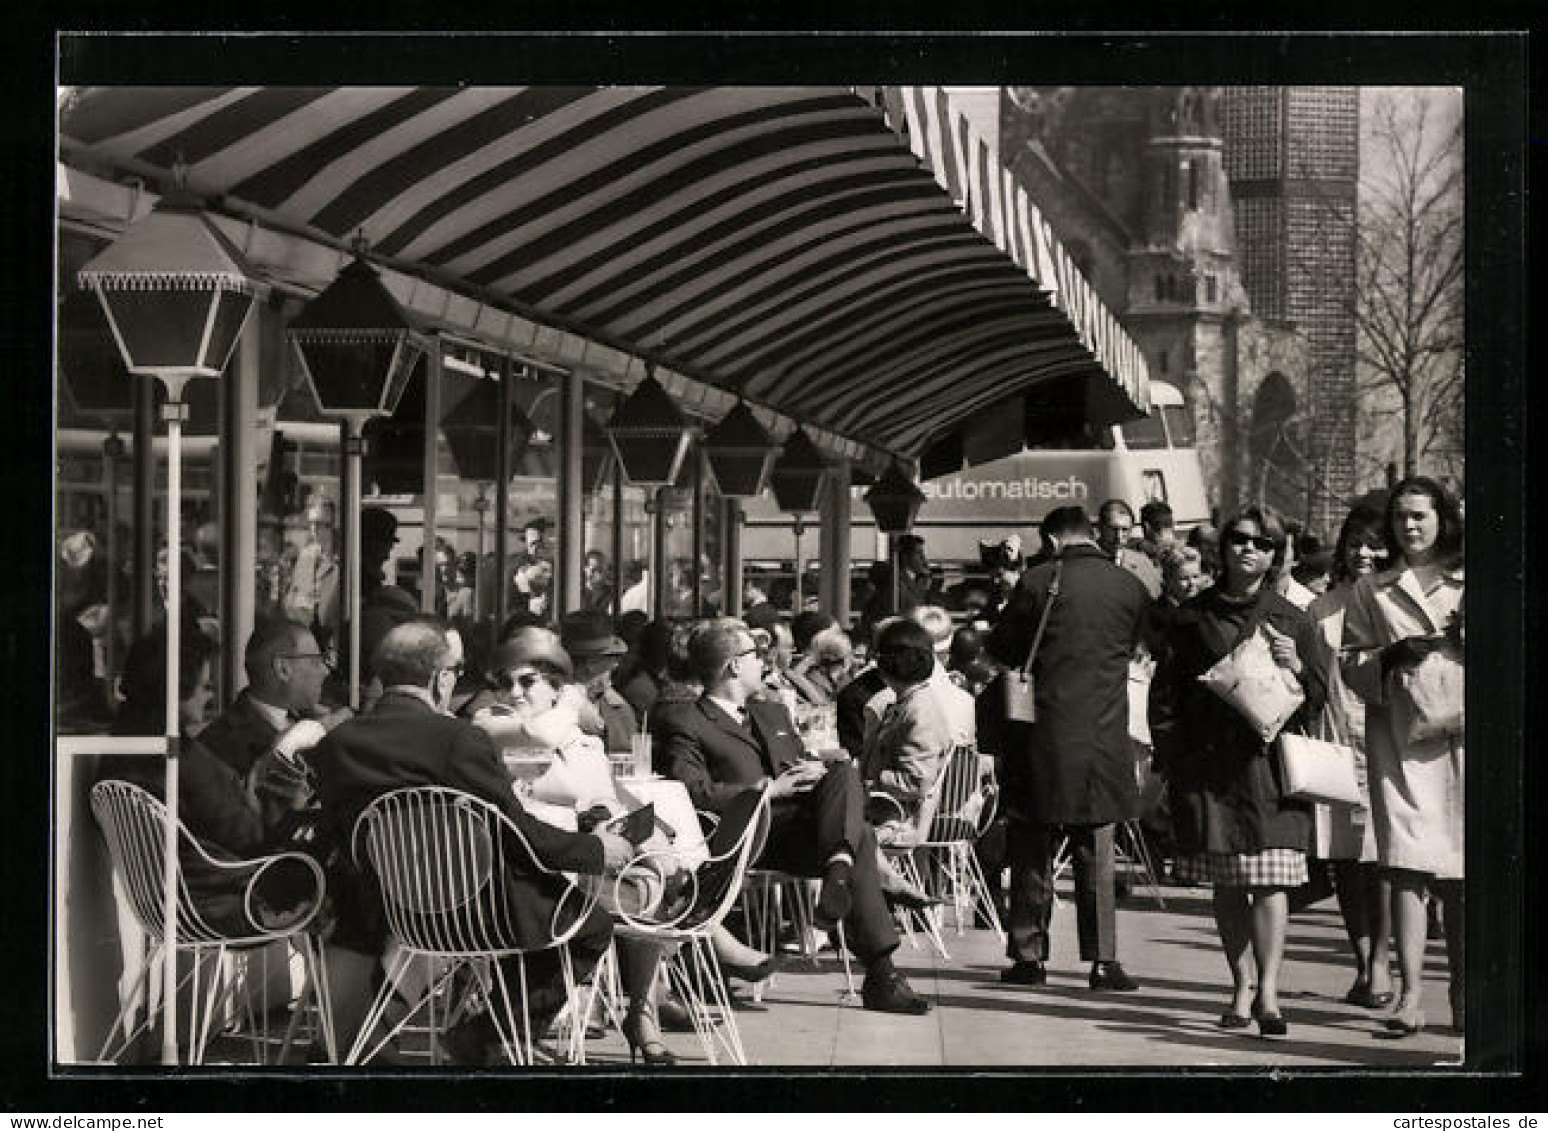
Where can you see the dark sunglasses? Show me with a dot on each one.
(1256, 541)
(526, 681)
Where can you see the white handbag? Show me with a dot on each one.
(1316, 769)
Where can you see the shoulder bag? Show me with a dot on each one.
(1315, 769)
(1020, 700)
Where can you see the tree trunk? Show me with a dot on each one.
(1411, 416)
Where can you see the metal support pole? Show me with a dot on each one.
(112, 449)
(733, 567)
(833, 542)
(502, 577)
(239, 509)
(618, 541)
(144, 507)
(698, 530)
(173, 412)
(658, 555)
(572, 493)
(354, 450)
(432, 480)
(797, 528)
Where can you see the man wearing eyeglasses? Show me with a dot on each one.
(1115, 522)
(726, 741)
(285, 675)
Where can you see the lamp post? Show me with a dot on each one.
(895, 501)
(740, 453)
(176, 298)
(797, 478)
(357, 350)
(650, 438)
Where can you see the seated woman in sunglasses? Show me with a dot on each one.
(538, 708)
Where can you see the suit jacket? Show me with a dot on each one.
(1139, 563)
(404, 742)
(715, 756)
(904, 755)
(241, 735)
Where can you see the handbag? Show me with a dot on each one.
(1315, 769)
(1020, 697)
(1261, 691)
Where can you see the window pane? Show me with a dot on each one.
(1179, 425)
(1144, 434)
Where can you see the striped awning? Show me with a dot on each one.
(848, 256)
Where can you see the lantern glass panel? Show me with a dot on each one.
(348, 376)
(651, 460)
(161, 329)
(741, 475)
(797, 493)
(231, 312)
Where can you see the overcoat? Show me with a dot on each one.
(1076, 764)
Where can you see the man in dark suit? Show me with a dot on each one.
(285, 675)
(1074, 768)
(726, 740)
(408, 739)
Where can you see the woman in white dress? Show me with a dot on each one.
(1402, 654)
(1347, 834)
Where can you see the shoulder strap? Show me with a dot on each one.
(1042, 623)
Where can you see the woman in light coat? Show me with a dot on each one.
(1347, 833)
(1402, 654)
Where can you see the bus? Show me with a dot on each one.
(1153, 458)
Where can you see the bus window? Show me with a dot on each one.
(1144, 434)
(1179, 425)
(1153, 483)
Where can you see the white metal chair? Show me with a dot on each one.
(959, 806)
(133, 822)
(438, 855)
(692, 968)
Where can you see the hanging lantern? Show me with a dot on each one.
(649, 435)
(895, 501)
(91, 370)
(741, 453)
(357, 346)
(797, 475)
(174, 292)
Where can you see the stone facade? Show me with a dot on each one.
(1136, 182)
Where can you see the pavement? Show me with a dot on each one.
(1174, 953)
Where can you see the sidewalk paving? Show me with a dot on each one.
(1169, 1022)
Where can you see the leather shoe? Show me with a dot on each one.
(910, 900)
(758, 972)
(887, 991)
(1025, 974)
(673, 1017)
(836, 896)
(1111, 976)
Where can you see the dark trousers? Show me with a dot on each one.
(1030, 848)
(804, 833)
(545, 977)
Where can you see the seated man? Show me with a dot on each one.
(409, 739)
(726, 740)
(589, 640)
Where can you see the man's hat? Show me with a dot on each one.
(378, 524)
(587, 633)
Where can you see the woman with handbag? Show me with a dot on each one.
(1402, 654)
(1346, 834)
(1235, 828)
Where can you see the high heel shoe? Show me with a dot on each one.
(1406, 1021)
(645, 1043)
(759, 971)
(1269, 1024)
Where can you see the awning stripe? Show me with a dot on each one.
(271, 185)
(857, 260)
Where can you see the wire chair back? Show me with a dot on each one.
(951, 812)
(133, 822)
(438, 856)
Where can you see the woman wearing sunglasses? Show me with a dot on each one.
(538, 708)
(1234, 828)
